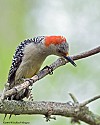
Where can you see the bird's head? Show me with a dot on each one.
(58, 46)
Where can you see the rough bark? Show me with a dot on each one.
(74, 110)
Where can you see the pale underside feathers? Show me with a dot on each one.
(17, 58)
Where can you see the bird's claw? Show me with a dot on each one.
(31, 81)
(50, 69)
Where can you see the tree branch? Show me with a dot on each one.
(59, 62)
(87, 53)
(68, 109)
(76, 110)
(89, 101)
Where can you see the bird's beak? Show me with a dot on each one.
(70, 60)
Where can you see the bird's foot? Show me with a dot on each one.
(50, 69)
(48, 116)
(31, 81)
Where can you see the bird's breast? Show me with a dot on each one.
(31, 63)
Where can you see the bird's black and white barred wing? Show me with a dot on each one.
(16, 61)
(18, 56)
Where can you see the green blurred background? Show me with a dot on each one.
(79, 22)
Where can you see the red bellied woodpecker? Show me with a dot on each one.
(29, 57)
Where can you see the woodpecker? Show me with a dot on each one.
(30, 55)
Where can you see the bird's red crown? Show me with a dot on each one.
(54, 40)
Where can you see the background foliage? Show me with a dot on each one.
(79, 22)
